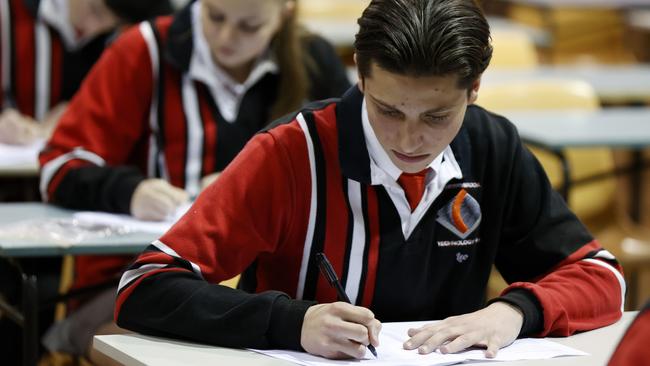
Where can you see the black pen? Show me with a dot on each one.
(328, 271)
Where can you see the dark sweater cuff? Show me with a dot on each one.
(123, 188)
(529, 306)
(286, 323)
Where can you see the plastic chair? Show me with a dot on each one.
(513, 50)
(594, 202)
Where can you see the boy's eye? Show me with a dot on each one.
(436, 119)
(390, 112)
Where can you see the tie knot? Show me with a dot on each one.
(413, 186)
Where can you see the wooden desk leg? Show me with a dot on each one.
(30, 326)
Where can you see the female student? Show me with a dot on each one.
(172, 102)
(46, 49)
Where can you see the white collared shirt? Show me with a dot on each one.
(383, 171)
(226, 92)
(56, 13)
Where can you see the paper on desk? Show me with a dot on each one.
(129, 223)
(80, 227)
(14, 155)
(391, 352)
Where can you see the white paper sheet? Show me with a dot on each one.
(391, 352)
(129, 223)
(16, 155)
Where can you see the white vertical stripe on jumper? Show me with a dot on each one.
(43, 71)
(155, 157)
(194, 157)
(306, 251)
(355, 265)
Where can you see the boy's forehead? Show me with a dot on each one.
(393, 88)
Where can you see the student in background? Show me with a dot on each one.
(411, 192)
(170, 104)
(46, 49)
(633, 348)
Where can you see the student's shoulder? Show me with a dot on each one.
(487, 125)
(316, 46)
(322, 110)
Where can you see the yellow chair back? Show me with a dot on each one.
(512, 50)
(586, 200)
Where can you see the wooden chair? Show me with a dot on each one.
(593, 202)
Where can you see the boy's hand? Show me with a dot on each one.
(339, 330)
(494, 327)
(156, 200)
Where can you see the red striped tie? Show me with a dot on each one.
(413, 186)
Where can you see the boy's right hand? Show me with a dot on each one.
(156, 200)
(339, 330)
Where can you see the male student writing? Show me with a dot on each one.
(409, 190)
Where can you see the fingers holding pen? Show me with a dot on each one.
(339, 330)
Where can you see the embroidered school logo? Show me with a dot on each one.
(461, 216)
(461, 257)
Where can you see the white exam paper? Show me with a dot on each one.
(391, 352)
(130, 223)
(15, 155)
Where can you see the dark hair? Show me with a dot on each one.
(424, 38)
(134, 11)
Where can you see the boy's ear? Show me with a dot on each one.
(359, 77)
(473, 92)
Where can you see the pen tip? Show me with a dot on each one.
(372, 350)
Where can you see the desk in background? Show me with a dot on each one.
(13, 213)
(613, 83)
(623, 128)
(595, 29)
(134, 349)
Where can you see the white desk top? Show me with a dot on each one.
(23, 170)
(131, 243)
(610, 127)
(143, 350)
(611, 82)
(609, 4)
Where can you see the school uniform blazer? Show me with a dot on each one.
(38, 72)
(633, 348)
(138, 115)
(304, 187)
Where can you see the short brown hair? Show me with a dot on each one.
(424, 38)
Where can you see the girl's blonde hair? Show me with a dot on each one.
(294, 64)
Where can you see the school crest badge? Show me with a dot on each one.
(461, 216)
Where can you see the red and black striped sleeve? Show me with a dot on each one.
(172, 288)
(633, 348)
(86, 163)
(558, 274)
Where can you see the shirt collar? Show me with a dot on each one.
(203, 68)
(56, 13)
(382, 168)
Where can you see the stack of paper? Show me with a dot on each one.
(390, 352)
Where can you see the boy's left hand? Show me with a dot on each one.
(494, 327)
